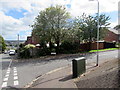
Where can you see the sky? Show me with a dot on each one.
(119, 13)
(18, 15)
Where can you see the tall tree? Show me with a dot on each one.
(88, 26)
(103, 24)
(50, 24)
(84, 28)
(2, 44)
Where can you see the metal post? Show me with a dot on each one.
(97, 33)
(18, 46)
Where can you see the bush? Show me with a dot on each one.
(37, 52)
(69, 47)
(47, 51)
(24, 53)
(53, 50)
(43, 52)
(117, 45)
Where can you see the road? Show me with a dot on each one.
(18, 74)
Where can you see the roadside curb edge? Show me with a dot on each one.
(52, 71)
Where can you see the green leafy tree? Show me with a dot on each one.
(50, 25)
(87, 27)
(84, 28)
(2, 44)
(54, 25)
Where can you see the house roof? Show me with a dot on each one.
(114, 30)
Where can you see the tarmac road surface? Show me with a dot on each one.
(18, 74)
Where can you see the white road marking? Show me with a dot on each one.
(15, 77)
(10, 64)
(7, 75)
(5, 79)
(16, 82)
(15, 74)
(4, 84)
(14, 68)
(8, 72)
(15, 71)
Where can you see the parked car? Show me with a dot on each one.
(12, 52)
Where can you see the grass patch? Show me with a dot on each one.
(104, 49)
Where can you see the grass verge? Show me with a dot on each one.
(104, 49)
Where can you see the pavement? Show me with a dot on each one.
(106, 75)
(58, 78)
(62, 77)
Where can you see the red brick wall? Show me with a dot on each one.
(29, 40)
(110, 37)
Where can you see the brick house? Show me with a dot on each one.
(30, 40)
(112, 35)
(109, 41)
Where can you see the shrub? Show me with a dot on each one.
(24, 53)
(43, 52)
(69, 47)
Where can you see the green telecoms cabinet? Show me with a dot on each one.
(79, 66)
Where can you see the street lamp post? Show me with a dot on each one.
(97, 32)
(18, 46)
(18, 42)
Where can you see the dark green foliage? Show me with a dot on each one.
(24, 53)
(53, 50)
(33, 52)
(54, 25)
(21, 45)
(2, 44)
(43, 52)
(69, 47)
(50, 25)
(86, 27)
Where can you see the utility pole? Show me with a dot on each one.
(97, 35)
(97, 31)
(18, 46)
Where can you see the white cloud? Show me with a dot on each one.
(90, 7)
(15, 4)
(12, 26)
(113, 24)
